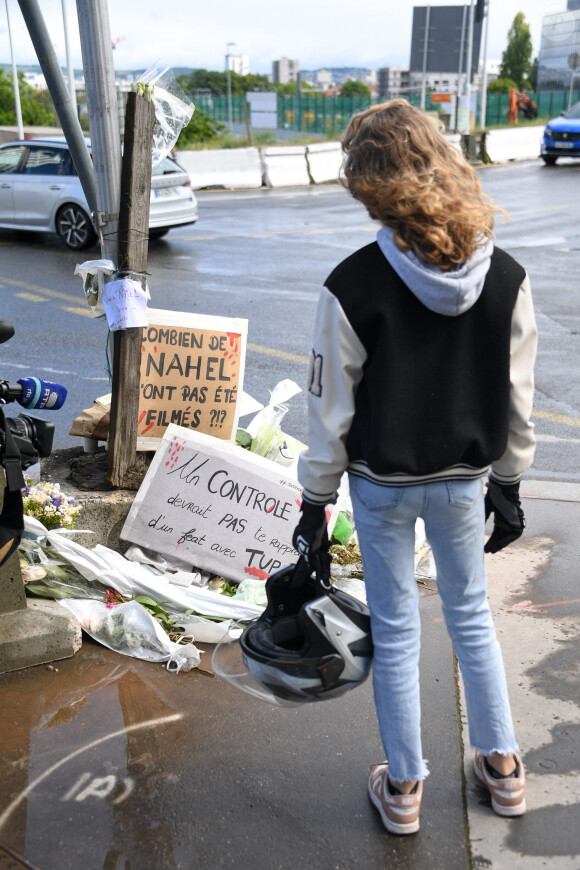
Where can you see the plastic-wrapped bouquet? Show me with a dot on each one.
(50, 505)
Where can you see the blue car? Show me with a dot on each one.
(562, 136)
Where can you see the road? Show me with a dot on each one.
(111, 763)
(263, 255)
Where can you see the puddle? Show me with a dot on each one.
(76, 761)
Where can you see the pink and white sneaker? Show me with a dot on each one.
(508, 793)
(399, 812)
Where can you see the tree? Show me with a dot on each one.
(201, 128)
(216, 83)
(352, 88)
(36, 106)
(501, 86)
(289, 88)
(516, 60)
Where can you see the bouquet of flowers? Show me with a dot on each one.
(50, 505)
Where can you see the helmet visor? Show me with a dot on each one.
(228, 663)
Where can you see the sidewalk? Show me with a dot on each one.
(111, 763)
(535, 597)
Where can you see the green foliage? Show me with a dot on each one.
(352, 88)
(216, 83)
(201, 128)
(516, 60)
(36, 106)
(290, 87)
(501, 86)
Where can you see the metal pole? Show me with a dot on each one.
(468, 66)
(229, 83)
(483, 106)
(460, 68)
(71, 72)
(425, 50)
(97, 50)
(60, 97)
(15, 80)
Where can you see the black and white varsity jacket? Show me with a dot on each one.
(401, 394)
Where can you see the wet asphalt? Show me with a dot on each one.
(111, 763)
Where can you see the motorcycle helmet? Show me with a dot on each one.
(313, 642)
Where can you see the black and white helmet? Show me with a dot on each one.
(311, 643)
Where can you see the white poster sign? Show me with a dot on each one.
(216, 506)
(125, 303)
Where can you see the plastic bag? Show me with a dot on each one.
(205, 630)
(130, 629)
(268, 440)
(173, 109)
(424, 561)
(254, 590)
(93, 274)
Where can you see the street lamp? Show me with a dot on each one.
(232, 44)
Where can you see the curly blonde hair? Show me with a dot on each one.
(411, 179)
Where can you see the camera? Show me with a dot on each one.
(31, 437)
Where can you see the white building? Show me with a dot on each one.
(238, 63)
(324, 79)
(35, 80)
(285, 70)
(393, 82)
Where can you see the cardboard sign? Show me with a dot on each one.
(192, 374)
(216, 506)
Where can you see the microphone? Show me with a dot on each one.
(38, 394)
(34, 394)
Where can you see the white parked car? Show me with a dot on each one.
(40, 191)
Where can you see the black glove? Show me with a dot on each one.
(311, 534)
(503, 501)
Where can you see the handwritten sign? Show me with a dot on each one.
(215, 506)
(192, 372)
(125, 304)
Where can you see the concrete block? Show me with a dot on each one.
(513, 143)
(43, 632)
(231, 168)
(285, 166)
(12, 597)
(324, 161)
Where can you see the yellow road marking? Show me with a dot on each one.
(31, 297)
(557, 418)
(270, 233)
(36, 289)
(270, 351)
(84, 312)
(545, 208)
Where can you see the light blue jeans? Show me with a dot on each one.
(454, 517)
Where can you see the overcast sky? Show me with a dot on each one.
(318, 34)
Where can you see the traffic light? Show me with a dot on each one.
(480, 10)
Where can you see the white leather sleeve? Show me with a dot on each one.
(336, 369)
(521, 446)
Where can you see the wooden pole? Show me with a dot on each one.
(133, 249)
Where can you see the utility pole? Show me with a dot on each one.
(483, 107)
(15, 80)
(133, 250)
(229, 75)
(96, 46)
(69, 64)
(468, 66)
(425, 52)
(460, 69)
